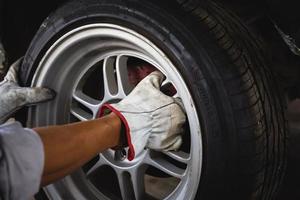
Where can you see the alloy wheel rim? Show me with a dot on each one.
(108, 47)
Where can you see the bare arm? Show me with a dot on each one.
(68, 147)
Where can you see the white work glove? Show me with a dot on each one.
(13, 97)
(151, 118)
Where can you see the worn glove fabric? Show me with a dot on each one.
(13, 97)
(152, 119)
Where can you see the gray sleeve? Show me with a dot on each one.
(21, 162)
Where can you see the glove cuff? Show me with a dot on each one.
(103, 110)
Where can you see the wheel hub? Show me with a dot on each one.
(118, 159)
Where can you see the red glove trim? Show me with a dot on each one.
(131, 152)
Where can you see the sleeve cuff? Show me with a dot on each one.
(103, 110)
(23, 156)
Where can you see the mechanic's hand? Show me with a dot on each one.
(151, 118)
(13, 97)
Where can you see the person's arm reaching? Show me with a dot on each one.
(151, 120)
(68, 147)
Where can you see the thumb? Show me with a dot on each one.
(155, 78)
(12, 74)
(37, 95)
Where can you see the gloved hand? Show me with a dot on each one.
(151, 118)
(13, 97)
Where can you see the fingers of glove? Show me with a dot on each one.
(178, 117)
(36, 95)
(12, 74)
(167, 128)
(155, 79)
(179, 102)
(171, 143)
(175, 145)
(146, 96)
(173, 137)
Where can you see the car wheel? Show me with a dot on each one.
(94, 51)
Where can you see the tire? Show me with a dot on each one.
(237, 129)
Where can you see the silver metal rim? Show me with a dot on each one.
(63, 68)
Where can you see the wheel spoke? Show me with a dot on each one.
(101, 162)
(138, 184)
(88, 102)
(179, 156)
(125, 185)
(124, 87)
(110, 84)
(166, 167)
(165, 82)
(176, 95)
(81, 114)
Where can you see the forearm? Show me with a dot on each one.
(67, 147)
